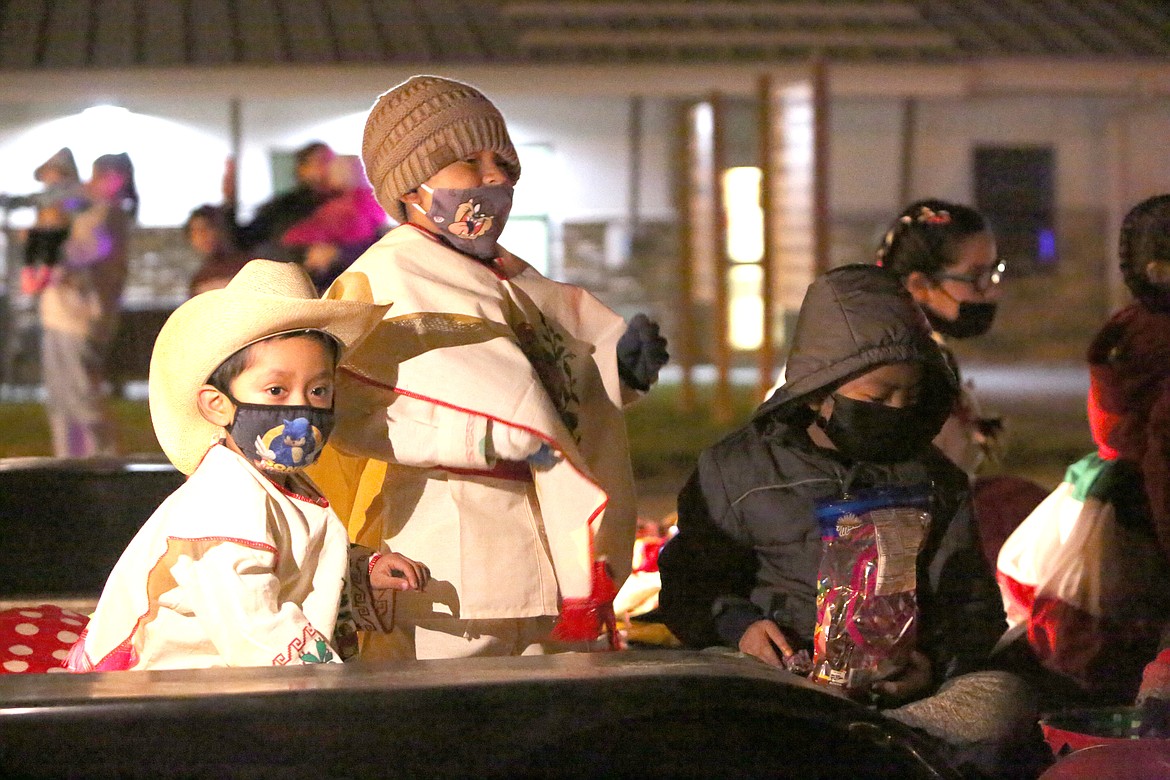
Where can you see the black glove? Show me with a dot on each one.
(641, 352)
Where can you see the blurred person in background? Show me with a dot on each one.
(340, 229)
(61, 199)
(945, 255)
(208, 234)
(79, 312)
(261, 237)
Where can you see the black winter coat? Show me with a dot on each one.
(748, 545)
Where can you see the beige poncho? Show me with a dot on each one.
(466, 346)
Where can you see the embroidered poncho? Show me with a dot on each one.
(230, 570)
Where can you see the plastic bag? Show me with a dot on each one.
(867, 605)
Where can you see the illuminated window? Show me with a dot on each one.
(745, 217)
(745, 248)
(745, 306)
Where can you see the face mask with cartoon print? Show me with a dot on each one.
(280, 439)
(470, 220)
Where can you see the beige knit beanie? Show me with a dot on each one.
(423, 125)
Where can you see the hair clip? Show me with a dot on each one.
(929, 216)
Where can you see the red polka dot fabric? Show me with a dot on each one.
(37, 639)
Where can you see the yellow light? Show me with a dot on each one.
(745, 217)
(745, 306)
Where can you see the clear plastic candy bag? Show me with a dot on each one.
(867, 606)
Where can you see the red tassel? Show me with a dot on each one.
(583, 620)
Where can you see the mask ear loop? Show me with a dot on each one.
(430, 191)
(235, 410)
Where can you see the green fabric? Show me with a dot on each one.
(1085, 474)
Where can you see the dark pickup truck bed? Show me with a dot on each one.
(637, 713)
(666, 713)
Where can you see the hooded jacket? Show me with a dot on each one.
(748, 546)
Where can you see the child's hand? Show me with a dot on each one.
(510, 442)
(393, 571)
(764, 640)
(913, 683)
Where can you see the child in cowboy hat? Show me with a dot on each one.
(245, 564)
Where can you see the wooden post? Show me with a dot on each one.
(767, 354)
(682, 345)
(722, 403)
(820, 221)
(909, 136)
(235, 148)
(634, 208)
(1117, 196)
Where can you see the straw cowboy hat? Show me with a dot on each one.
(265, 298)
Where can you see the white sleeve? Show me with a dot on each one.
(234, 592)
(321, 604)
(397, 428)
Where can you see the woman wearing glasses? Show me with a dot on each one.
(945, 255)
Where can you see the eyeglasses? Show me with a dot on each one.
(982, 281)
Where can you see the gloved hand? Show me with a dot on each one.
(544, 458)
(641, 353)
(508, 442)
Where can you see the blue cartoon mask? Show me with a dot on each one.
(280, 438)
(470, 219)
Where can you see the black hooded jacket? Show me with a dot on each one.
(748, 546)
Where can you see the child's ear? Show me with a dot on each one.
(214, 406)
(919, 285)
(409, 198)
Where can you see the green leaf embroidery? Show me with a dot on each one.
(324, 655)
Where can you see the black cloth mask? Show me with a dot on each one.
(875, 433)
(974, 319)
(280, 438)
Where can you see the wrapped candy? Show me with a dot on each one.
(867, 607)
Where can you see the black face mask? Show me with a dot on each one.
(875, 433)
(974, 320)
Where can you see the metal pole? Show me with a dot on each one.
(683, 342)
(767, 354)
(722, 406)
(909, 136)
(1117, 195)
(235, 148)
(9, 317)
(821, 239)
(635, 180)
